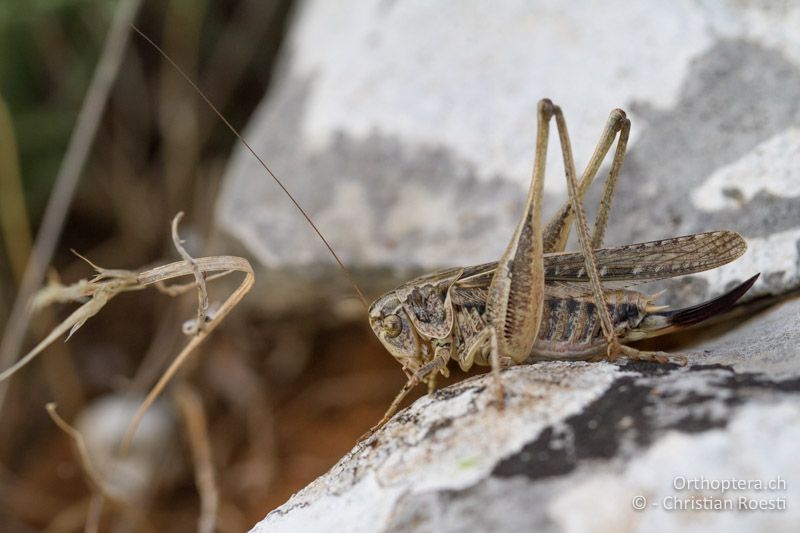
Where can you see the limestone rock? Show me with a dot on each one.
(406, 129)
(577, 443)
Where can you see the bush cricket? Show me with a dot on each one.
(539, 302)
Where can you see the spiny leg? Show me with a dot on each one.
(583, 235)
(556, 232)
(515, 297)
(656, 357)
(598, 234)
(615, 348)
(494, 359)
(601, 220)
(439, 361)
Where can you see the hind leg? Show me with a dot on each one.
(556, 232)
(615, 349)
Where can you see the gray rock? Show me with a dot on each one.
(406, 130)
(577, 442)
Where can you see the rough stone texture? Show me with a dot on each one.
(406, 129)
(576, 443)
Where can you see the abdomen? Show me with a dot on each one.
(571, 329)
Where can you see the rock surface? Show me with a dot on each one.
(577, 442)
(406, 130)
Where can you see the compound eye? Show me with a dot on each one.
(392, 325)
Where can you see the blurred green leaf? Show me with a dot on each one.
(48, 51)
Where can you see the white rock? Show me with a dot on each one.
(770, 168)
(406, 129)
(577, 442)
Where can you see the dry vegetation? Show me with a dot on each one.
(266, 403)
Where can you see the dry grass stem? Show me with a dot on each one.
(96, 293)
(224, 264)
(80, 142)
(107, 283)
(191, 409)
(92, 475)
(199, 278)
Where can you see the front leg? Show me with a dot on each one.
(427, 373)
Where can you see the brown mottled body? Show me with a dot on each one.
(571, 329)
(446, 310)
(540, 302)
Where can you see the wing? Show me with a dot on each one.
(652, 260)
(632, 263)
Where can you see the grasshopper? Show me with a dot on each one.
(538, 302)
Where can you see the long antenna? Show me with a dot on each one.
(261, 161)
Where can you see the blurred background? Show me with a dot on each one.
(406, 130)
(283, 397)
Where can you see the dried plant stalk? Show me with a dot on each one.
(101, 490)
(108, 283)
(194, 419)
(94, 478)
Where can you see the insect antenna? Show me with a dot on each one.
(258, 158)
